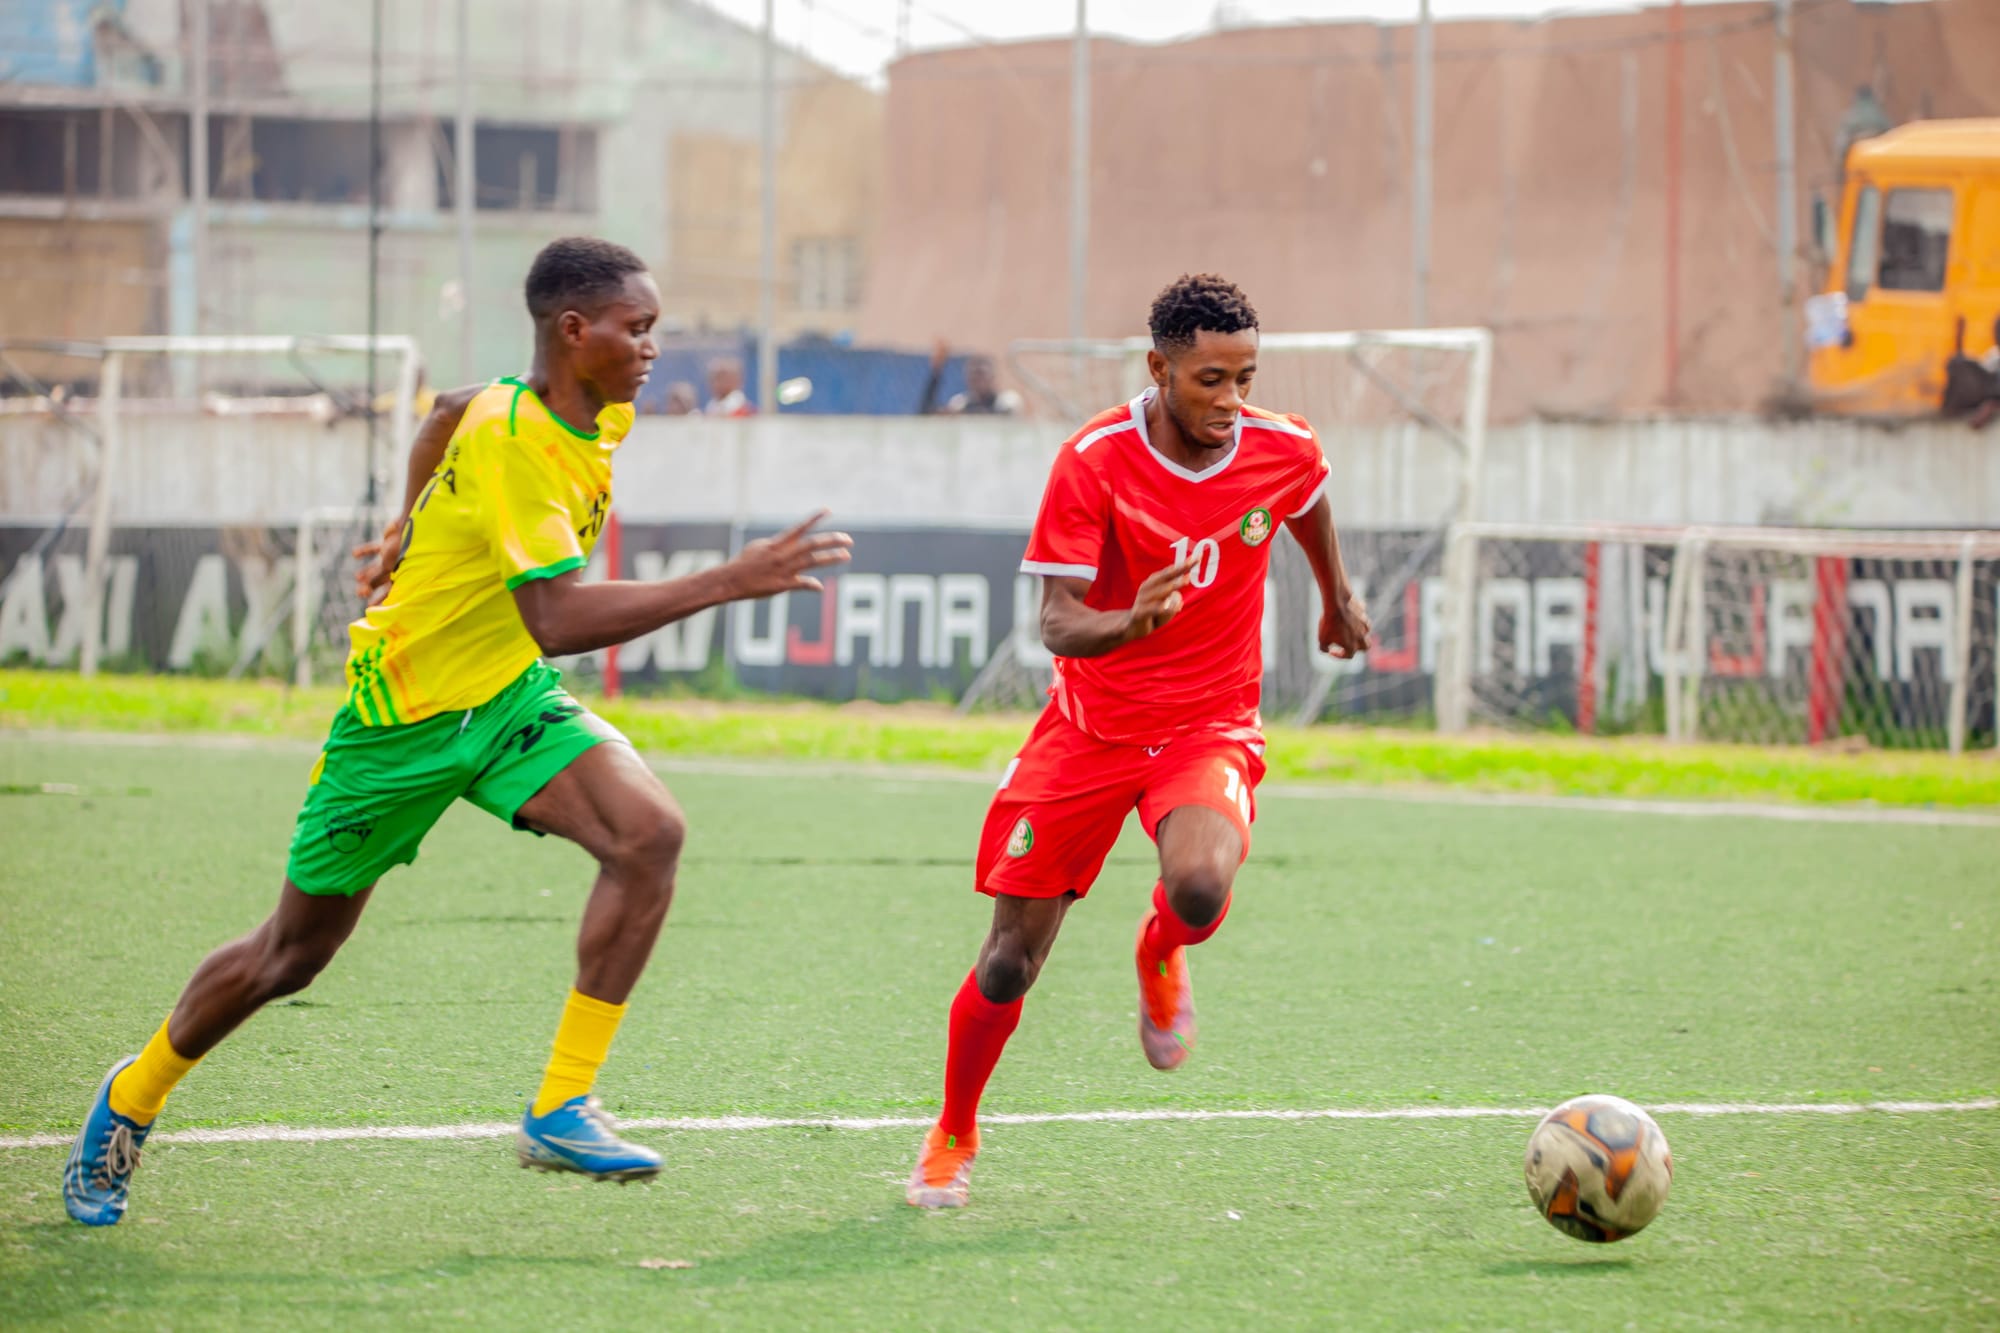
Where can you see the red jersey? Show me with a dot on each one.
(1116, 511)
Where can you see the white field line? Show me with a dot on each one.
(760, 768)
(1622, 805)
(750, 1123)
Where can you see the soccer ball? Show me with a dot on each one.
(1598, 1168)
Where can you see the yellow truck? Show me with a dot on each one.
(1915, 271)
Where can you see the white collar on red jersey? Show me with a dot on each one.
(1138, 408)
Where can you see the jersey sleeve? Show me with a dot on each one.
(527, 523)
(1314, 474)
(1069, 529)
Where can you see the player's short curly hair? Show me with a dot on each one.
(577, 273)
(1197, 301)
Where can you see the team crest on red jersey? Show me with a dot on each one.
(1256, 526)
(1022, 840)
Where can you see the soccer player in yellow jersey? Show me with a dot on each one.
(449, 697)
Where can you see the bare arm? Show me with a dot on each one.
(1072, 629)
(426, 452)
(1343, 622)
(566, 615)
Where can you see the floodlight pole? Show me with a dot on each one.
(198, 157)
(97, 547)
(1788, 190)
(372, 494)
(767, 261)
(189, 375)
(1420, 174)
(1079, 171)
(1672, 296)
(462, 137)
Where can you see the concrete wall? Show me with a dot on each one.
(640, 77)
(1281, 158)
(75, 280)
(971, 473)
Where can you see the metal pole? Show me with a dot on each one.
(374, 247)
(767, 264)
(1961, 647)
(462, 139)
(305, 597)
(1788, 190)
(1420, 175)
(111, 388)
(1673, 193)
(1079, 171)
(198, 157)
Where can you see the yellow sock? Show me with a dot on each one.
(583, 1039)
(141, 1088)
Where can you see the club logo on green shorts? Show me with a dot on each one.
(1022, 840)
(347, 829)
(1256, 526)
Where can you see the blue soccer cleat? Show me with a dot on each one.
(578, 1136)
(100, 1166)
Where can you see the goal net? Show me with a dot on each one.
(1401, 414)
(101, 581)
(1759, 635)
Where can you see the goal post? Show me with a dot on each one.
(1402, 416)
(116, 353)
(1757, 635)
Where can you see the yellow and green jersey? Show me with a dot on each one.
(520, 495)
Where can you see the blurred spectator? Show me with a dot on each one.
(1972, 384)
(1984, 414)
(983, 395)
(725, 389)
(421, 399)
(682, 400)
(1865, 119)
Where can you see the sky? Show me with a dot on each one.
(860, 37)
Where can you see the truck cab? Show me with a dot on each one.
(1915, 274)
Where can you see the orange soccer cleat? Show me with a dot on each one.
(1166, 1003)
(942, 1176)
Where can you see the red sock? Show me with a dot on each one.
(1168, 932)
(979, 1032)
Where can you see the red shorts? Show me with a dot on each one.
(1064, 800)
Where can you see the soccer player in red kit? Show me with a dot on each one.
(1153, 543)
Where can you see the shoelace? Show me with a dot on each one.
(593, 1111)
(121, 1158)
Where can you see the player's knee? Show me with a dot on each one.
(1007, 970)
(1197, 893)
(649, 850)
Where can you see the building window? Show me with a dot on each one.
(50, 152)
(828, 271)
(1916, 238)
(524, 169)
(288, 161)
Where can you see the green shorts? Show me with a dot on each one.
(376, 791)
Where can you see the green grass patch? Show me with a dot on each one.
(930, 734)
(1380, 954)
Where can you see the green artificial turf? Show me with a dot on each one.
(1382, 954)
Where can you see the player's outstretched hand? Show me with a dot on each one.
(1344, 628)
(771, 565)
(378, 564)
(1159, 598)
